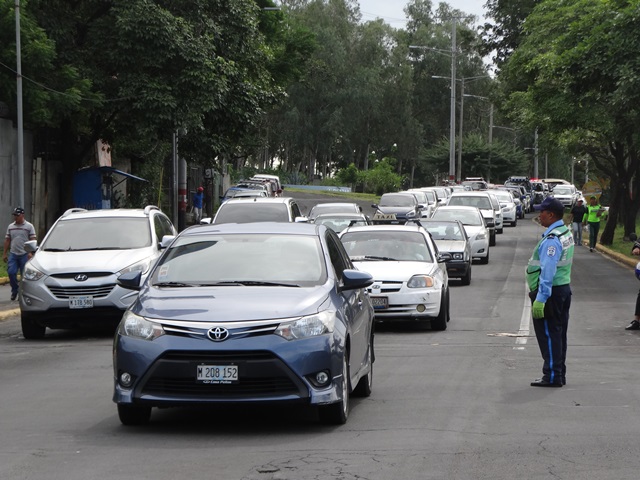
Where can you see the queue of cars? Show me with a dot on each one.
(265, 304)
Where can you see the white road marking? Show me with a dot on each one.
(525, 322)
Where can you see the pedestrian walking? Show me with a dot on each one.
(578, 216)
(593, 219)
(549, 278)
(14, 253)
(198, 201)
(635, 323)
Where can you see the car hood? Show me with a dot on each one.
(399, 271)
(451, 245)
(473, 230)
(88, 261)
(229, 304)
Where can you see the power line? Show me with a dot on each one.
(53, 90)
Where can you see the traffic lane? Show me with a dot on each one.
(456, 403)
(307, 200)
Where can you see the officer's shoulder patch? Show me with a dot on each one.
(551, 251)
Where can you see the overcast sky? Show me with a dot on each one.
(391, 11)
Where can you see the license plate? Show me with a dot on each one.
(217, 374)
(380, 302)
(85, 301)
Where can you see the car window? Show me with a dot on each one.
(466, 217)
(338, 259)
(400, 245)
(469, 201)
(295, 210)
(91, 233)
(252, 212)
(445, 231)
(397, 200)
(207, 259)
(162, 226)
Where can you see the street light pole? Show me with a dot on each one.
(459, 169)
(452, 119)
(19, 108)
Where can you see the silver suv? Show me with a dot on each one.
(71, 279)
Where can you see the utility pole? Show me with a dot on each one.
(452, 119)
(19, 108)
(535, 157)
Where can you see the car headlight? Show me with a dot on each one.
(306, 327)
(32, 274)
(412, 213)
(141, 266)
(481, 236)
(458, 256)
(135, 326)
(420, 281)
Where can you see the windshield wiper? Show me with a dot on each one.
(245, 283)
(173, 284)
(372, 257)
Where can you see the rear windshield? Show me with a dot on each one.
(108, 233)
(387, 245)
(466, 217)
(396, 200)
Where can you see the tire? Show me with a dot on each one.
(499, 232)
(440, 322)
(365, 384)
(133, 414)
(485, 260)
(492, 239)
(338, 413)
(514, 223)
(32, 330)
(466, 279)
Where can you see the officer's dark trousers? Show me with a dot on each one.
(551, 332)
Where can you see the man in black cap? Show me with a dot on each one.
(14, 253)
(548, 277)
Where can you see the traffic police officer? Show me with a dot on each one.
(548, 277)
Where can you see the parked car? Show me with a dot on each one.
(71, 279)
(410, 276)
(272, 209)
(397, 208)
(451, 237)
(334, 207)
(481, 200)
(271, 313)
(474, 225)
(339, 221)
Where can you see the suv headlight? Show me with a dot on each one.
(306, 327)
(411, 213)
(420, 281)
(458, 256)
(32, 274)
(141, 266)
(135, 326)
(481, 236)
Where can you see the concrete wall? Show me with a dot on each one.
(9, 190)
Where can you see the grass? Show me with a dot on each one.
(3, 269)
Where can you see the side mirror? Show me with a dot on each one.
(354, 279)
(130, 280)
(31, 246)
(166, 240)
(301, 220)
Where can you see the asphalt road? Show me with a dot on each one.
(454, 404)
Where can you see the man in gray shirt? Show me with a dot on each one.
(14, 253)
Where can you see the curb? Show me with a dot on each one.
(4, 314)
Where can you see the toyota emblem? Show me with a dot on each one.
(81, 277)
(218, 334)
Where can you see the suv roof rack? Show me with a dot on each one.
(73, 210)
(148, 208)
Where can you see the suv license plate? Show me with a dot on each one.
(380, 302)
(221, 374)
(85, 301)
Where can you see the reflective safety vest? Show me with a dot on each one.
(563, 272)
(594, 213)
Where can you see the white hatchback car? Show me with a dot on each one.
(71, 279)
(410, 275)
(474, 225)
(508, 206)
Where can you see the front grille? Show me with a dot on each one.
(88, 274)
(386, 286)
(97, 291)
(261, 374)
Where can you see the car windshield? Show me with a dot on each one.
(469, 201)
(504, 196)
(252, 212)
(105, 233)
(321, 209)
(444, 231)
(466, 217)
(396, 200)
(386, 245)
(337, 224)
(562, 190)
(242, 259)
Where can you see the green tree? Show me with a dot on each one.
(576, 75)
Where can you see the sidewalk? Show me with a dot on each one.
(7, 307)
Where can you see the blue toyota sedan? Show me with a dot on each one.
(246, 313)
